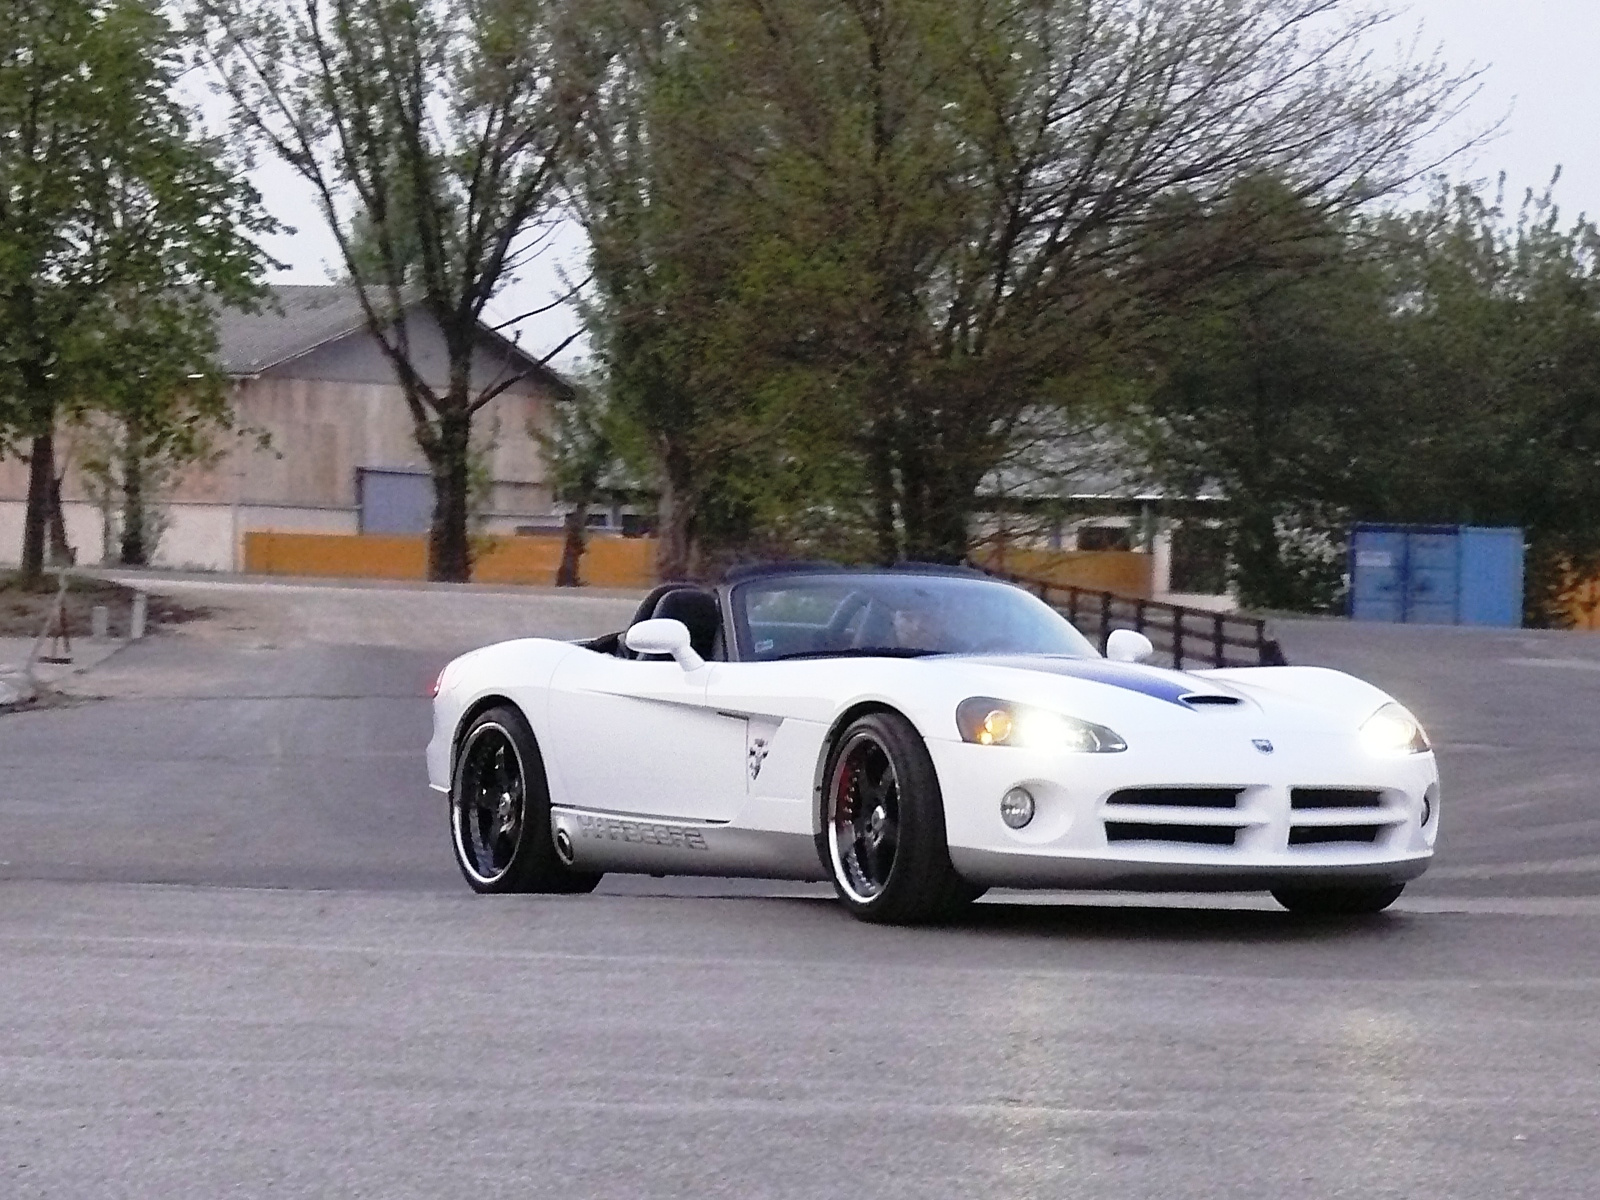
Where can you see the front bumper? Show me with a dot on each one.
(1084, 835)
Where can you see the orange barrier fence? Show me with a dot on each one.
(1582, 604)
(1125, 572)
(607, 562)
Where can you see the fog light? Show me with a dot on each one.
(1016, 807)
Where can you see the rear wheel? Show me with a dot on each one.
(500, 811)
(883, 839)
(1338, 901)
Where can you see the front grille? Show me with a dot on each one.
(1178, 797)
(1324, 835)
(1191, 835)
(1316, 797)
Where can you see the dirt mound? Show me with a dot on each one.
(23, 611)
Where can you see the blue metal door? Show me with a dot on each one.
(1378, 575)
(1433, 577)
(394, 501)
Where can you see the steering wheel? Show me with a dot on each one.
(833, 631)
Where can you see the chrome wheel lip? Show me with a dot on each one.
(842, 874)
(457, 816)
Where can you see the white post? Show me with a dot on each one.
(1161, 567)
(141, 604)
(99, 622)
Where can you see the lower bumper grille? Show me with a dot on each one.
(1310, 797)
(1324, 835)
(1178, 797)
(1189, 835)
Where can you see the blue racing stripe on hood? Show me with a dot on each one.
(1146, 680)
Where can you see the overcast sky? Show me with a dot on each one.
(1539, 74)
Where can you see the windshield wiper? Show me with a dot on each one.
(857, 652)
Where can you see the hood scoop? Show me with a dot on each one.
(1209, 700)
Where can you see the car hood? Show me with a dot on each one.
(1096, 689)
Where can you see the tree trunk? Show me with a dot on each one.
(61, 550)
(36, 520)
(675, 517)
(449, 549)
(944, 538)
(880, 458)
(572, 548)
(1257, 563)
(914, 467)
(134, 552)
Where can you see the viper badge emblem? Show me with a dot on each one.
(758, 755)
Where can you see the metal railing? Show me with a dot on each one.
(1192, 636)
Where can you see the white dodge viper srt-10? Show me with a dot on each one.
(916, 736)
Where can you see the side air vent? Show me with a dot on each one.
(1327, 835)
(1178, 797)
(1208, 700)
(1191, 835)
(1309, 797)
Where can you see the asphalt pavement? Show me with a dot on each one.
(236, 959)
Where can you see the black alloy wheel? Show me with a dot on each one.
(500, 811)
(1351, 900)
(883, 837)
(866, 818)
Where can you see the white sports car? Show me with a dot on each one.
(917, 736)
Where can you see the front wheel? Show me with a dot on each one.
(500, 811)
(1338, 901)
(883, 839)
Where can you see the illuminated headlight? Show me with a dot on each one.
(1393, 730)
(990, 722)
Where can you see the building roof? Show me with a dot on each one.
(296, 319)
(1053, 461)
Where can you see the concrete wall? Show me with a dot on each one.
(198, 536)
(325, 414)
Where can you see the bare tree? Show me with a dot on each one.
(435, 134)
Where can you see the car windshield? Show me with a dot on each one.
(815, 616)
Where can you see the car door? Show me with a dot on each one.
(639, 738)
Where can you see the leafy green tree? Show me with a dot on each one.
(436, 135)
(1435, 365)
(1278, 388)
(943, 211)
(160, 404)
(106, 192)
(1498, 319)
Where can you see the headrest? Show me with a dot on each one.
(698, 610)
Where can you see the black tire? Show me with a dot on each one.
(500, 811)
(883, 837)
(1338, 901)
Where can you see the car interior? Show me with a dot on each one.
(696, 607)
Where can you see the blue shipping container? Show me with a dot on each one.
(1436, 575)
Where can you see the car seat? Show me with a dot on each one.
(695, 607)
(698, 610)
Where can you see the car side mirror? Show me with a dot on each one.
(1124, 645)
(663, 635)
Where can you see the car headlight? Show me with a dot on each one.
(1393, 730)
(990, 722)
